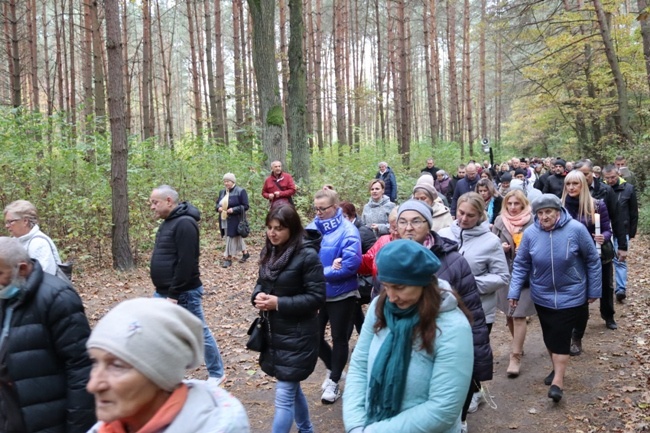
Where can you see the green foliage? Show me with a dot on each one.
(275, 116)
(644, 213)
(69, 180)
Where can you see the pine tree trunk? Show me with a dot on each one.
(262, 13)
(70, 68)
(405, 99)
(428, 69)
(339, 73)
(125, 65)
(32, 41)
(222, 118)
(147, 73)
(466, 79)
(215, 115)
(284, 66)
(318, 52)
(167, 79)
(121, 249)
(481, 72)
(198, 122)
(11, 23)
(98, 71)
(58, 30)
(380, 75)
(239, 80)
(297, 96)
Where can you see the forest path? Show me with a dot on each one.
(606, 388)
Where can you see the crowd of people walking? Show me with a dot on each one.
(540, 237)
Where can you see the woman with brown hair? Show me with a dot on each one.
(412, 364)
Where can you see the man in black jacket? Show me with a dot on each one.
(44, 366)
(555, 182)
(431, 168)
(628, 216)
(174, 266)
(466, 184)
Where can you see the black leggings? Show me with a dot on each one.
(339, 314)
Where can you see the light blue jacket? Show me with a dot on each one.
(562, 265)
(340, 240)
(436, 383)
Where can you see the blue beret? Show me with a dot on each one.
(406, 262)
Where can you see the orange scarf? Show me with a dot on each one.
(160, 420)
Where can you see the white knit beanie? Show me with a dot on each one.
(230, 177)
(158, 338)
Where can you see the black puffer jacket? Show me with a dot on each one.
(46, 358)
(366, 234)
(238, 202)
(604, 192)
(455, 270)
(300, 289)
(175, 259)
(628, 207)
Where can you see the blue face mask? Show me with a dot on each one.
(9, 292)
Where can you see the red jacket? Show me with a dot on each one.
(284, 184)
(368, 266)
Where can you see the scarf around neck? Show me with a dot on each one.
(515, 224)
(388, 376)
(276, 263)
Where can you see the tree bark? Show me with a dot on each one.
(339, 76)
(222, 118)
(622, 115)
(428, 69)
(32, 41)
(14, 66)
(122, 255)
(481, 72)
(380, 75)
(454, 112)
(198, 122)
(405, 97)
(98, 71)
(167, 80)
(466, 79)
(125, 65)
(263, 18)
(216, 121)
(147, 72)
(297, 108)
(238, 73)
(644, 20)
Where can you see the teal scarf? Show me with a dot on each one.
(388, 376)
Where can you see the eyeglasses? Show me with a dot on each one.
(322, 209)
(416, 224)
(10, 222)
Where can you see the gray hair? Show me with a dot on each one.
(12, 252)
(167, 191)
(442, 172)
(23, 209)
(584, 163)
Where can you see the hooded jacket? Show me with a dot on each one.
(340, 240)
(300, 288)
(390, 183)
(455, 270)
(440, 216)
(436, 383)
(562, 265)
(377, 213)
(40, 246)
(45, 357)
(175, 259)
(207, 409)
(483, 251)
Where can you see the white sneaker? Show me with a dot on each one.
(331, 392)
(215, 381)
(327, 378)
(463, 427)
(477, 399)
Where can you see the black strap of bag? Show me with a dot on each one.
(290, 198)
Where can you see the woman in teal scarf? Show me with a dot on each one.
(412, 364)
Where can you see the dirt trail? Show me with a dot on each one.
(606, 388)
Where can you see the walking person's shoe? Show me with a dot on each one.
(245, 258)
(549, 379)
(555, 393)
(477, 399)
(226, 263)
(331, 392)
(463, 427)
(515, 364)
(611, 324)
(576, 346)
(327, 378)
(620, 296)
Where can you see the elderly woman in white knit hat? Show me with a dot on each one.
(425, 191)
(231, 206)
(140, 351)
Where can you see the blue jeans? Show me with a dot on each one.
(191, 301)
(290, 404)
(620, 268)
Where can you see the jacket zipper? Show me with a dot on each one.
(553, 270)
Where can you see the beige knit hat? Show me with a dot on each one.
(230, 177)
(158, 338)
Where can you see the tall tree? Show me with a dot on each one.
(622, 115)
(221, 115)
(297, 108)
(339, 71)
(454, 112)
(262, 13)
(481, 71)
(467, 84)
(644, 19)
(405, 97)
(11, 24)
(198, 122)
(121, 249)
(98, 70)
(147, 72)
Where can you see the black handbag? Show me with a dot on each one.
(243, 229)
(607, 252)
(259, 333)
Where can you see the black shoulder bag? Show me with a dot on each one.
(259, 333)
